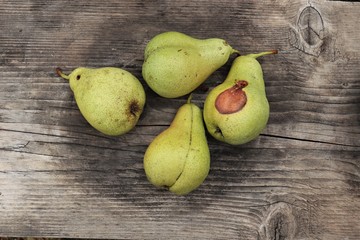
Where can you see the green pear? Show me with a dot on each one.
(110, 99)
(176, 64)
(179, 157)
(237, 110)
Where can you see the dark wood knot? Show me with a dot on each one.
(308, 34)
(278, 224)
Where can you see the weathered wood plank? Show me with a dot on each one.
(299, 180)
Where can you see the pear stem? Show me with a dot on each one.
(236, 51)
(256, 55)
(189, 98)
(61, 74)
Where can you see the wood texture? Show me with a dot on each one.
(61, 178)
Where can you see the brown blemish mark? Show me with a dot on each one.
(134, 108)
(78, 77)
(232, 99)
(218, 131)
(180, 50)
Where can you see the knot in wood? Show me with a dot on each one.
(311, 25)
(308, 34)
(279, 223)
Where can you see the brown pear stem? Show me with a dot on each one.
(61, 74)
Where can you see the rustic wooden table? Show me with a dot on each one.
(61, 178)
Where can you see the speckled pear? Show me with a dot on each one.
(237, 110)
(179, 157)
(176, 64)
(110, 99)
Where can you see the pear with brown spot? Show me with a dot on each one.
(237, 110)
(110, 99)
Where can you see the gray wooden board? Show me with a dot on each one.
(61, 178)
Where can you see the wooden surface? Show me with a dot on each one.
(61, 178)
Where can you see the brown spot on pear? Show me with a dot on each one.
(232, 99)
(134, 108)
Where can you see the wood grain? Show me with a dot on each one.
(61, 178)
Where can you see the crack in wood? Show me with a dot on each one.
(62, 136)
(309, 140)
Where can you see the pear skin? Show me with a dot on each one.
(237, 110)
(176, 64)
(179, 157)
(110, 99)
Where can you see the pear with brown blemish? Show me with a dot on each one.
(176, 64)
(237, 110)
(179, 157)
(110, 99)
